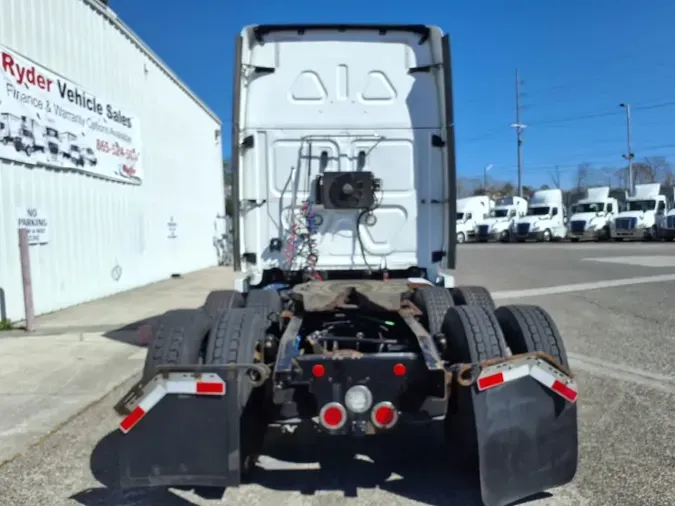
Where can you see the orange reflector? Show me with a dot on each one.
(490, 381)
(132, 419)
(562, 389)
(210, 388)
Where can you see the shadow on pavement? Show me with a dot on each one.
(412, 463)
(137, 333)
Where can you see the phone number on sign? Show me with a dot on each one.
(116, 150)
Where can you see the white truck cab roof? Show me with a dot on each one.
(476, 202)
(645, 191)
(343, 163)
(598, 194)
(546, 197)
(643, 199)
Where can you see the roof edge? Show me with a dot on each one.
(106, 11)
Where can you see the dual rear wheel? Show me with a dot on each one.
(475, 330)
(227, 329)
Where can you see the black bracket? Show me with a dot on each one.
(424, 68)
(437, 141)
(264, 70)
(248, 142)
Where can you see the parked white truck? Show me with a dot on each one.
(471, 210)
(643, 216)
(500, 224)
(546, 218)
(668, 230)
(593, 215)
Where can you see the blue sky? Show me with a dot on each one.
(578, 60)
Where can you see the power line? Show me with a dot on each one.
(570, 119)
(601, 114)
(574, 161)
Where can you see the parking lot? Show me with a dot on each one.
(613, 304)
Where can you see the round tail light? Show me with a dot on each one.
(358, 399)
(333, 416)
(384, 415)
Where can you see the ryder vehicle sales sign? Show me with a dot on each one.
(48, 120)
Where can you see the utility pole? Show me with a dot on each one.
(629, 155)
(519, 131)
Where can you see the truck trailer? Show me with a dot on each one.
(345, 313)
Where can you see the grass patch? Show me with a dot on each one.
(5, 324)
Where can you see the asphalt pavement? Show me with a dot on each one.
(613, 305)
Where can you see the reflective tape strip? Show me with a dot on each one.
(209, 384)
(538, 369)
(145, 405)
(191, 386)
(566, 391)
(489, 379)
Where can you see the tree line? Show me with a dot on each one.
(654, 169)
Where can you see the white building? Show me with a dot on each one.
(107, 157)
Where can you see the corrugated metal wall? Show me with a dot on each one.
(100, 229)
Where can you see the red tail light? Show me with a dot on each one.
(333, 416)
(399, 370)
(384, 415)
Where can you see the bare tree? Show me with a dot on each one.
(608, 174)
(467, 186)
(660, 169)
(643, 173)
(583, 173)
(621, 175)
(555, 177)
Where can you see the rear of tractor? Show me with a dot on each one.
(344, 173)
(356, 358)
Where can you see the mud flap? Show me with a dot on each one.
(185, 440)
(527, 440)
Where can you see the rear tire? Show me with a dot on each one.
(222, 300)
(473, 335)
(529, 328)
(177, 339)
(434, 301)
(473, 296)
(234, 339)
(266, 303)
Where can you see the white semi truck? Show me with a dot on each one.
(668, 230)
(470, 211)
(500, 224)
(593, 215)
(353, 344)
(643, 216)
(546, 218)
